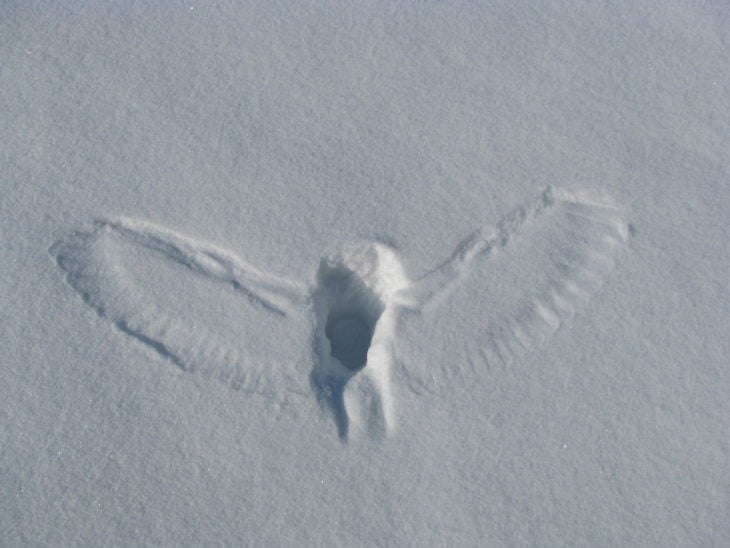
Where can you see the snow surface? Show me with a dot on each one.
(296, 273)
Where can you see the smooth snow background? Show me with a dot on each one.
(281, 131)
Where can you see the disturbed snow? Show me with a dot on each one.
(329, 274)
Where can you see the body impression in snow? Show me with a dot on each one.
(124, 270)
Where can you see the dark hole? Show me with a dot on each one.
(350, 337)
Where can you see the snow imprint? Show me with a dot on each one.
(357, 300)
(548, 255)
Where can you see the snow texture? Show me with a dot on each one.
(333, 273)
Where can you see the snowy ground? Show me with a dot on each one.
(405, 274)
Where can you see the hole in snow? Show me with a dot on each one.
(350, 337)
(350, 310)
(355, 286)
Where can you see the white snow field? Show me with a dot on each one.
(365, 273)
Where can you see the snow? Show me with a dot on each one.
(516, 215)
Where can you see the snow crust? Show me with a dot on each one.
(337, 273)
